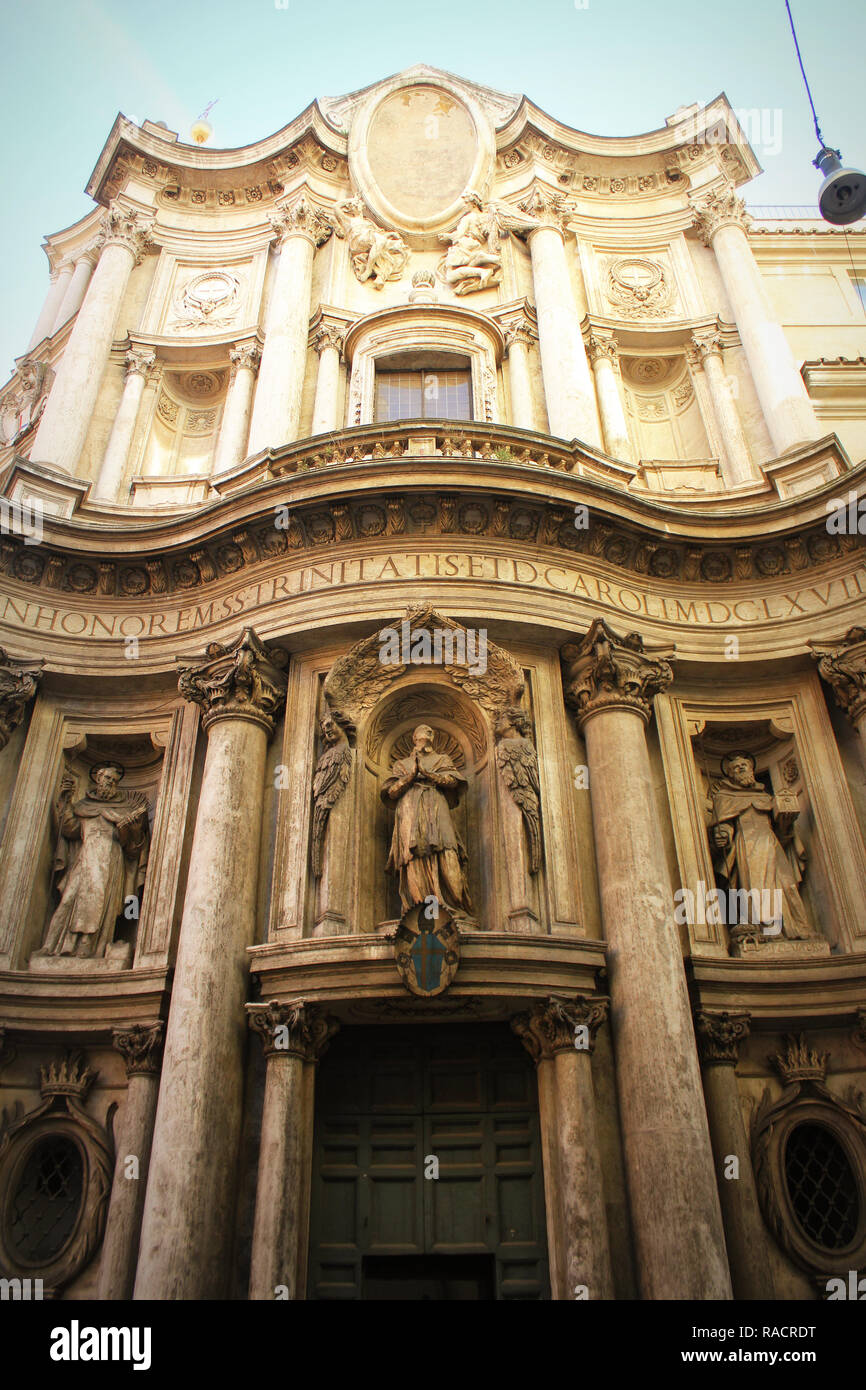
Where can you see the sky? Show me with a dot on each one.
(609, 67)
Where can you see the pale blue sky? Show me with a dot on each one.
(617, 67)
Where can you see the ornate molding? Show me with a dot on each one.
(123, 226)
(607, 671)
(721, 208)
(19, 682)
(247, 355)
(241, 680)
(842, 664)
(140, 362)
(298, 1029)
(719, 1035)
(140, 1046)
(550, 1025)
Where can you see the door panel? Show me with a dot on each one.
(387, 1100)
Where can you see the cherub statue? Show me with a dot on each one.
(518, 762)
(473, 260)
(329, 781)
(377, 255)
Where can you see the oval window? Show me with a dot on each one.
(47, 1200)
(822, 1186)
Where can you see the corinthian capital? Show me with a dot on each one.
(297, 1029)
(140, 1047)
(721, 208)
(247, 355)
(546, 208)
(328, 336)
(123, 226)
(301, 218)
(19, 682)
(605, 671)
(719, 1035)
(140, 362)
(552, 1024)
(842, 664)
(599, 348)
(240, 681)
(704, 344)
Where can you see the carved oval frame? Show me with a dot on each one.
(768, 1158)
(96, 1150)
(362, 174)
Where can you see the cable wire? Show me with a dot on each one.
(805, 78)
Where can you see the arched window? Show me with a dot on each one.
(416, 385)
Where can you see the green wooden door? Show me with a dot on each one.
(390, 1101)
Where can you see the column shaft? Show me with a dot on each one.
(54, 298)
(65, 422)
(113, 467)
(785, 402)
(277, 407)
(276, 1229)
(568, 387)
(518, 338)
(231, 446)
(76, 290)
(616, 437)
(325, 412)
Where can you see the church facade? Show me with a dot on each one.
(433, 720)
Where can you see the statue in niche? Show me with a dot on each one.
(426, 851)
(22, 409)
(377, 255)
(329, 781)
(758, 849)
(473, 260)
(100, 861)
(518, 762)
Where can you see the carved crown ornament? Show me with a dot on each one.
(552, 1025)
(357, 680)
(605, 670)
(315, 526)
(809, 1158)
(56, 1154)
(842, 664)
(239, 680)
(19, 682)
(295, 1029)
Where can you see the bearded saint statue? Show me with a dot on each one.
(100, 859)
(426, 851)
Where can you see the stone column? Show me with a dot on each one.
(294, 1036)
(77, 287)
(719, 1036)
(518, 339)
(139, 363)
(59, 283)
(604, 356)
(842, 664)
(231, 446)
(568, 386)
(610, 682)
(189, 1209)
(140, 1046)
(277, 408)
(328, 343)
(559, 1035)
(66, 419)
(706, 353)
(722, 221)
(19, 682)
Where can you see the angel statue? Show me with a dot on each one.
(329, 782)
(376, 255)
(473, 260)
(518, 763)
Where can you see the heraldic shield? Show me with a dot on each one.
(427, 948)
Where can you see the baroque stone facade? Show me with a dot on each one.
(428, 645)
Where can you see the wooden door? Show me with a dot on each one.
(390, 1103)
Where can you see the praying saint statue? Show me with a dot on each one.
(758, 849)
(100, 859)
(426, 851)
